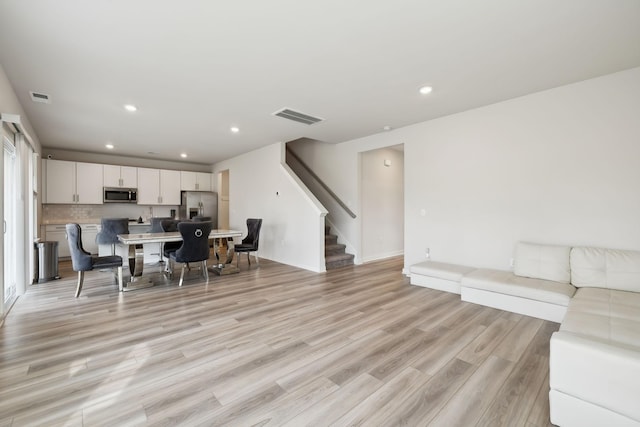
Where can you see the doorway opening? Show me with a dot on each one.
(223, 199)
(382, 203)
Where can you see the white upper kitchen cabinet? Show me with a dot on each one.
(148, 186)
(158, 187)
(59, 181)
(72, 182)
(89, 183)
(120, 176)
(170, 187)
(195, 181)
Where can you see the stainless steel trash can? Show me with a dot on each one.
(47, 261)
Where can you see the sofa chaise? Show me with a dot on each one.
(595, 294)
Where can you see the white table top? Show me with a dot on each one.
(174, 236)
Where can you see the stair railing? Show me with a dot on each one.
(322, 183)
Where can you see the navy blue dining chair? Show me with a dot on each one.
(250, 242)
(109, 230)
(82, 260)
(194, 248)
(170, 225)
(156, 227)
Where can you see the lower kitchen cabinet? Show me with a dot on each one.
(58, 233)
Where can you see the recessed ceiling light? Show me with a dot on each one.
(387, 128)
(425, 90)
(235, 129)
(109, 146)
(183, 155)
(130, 108)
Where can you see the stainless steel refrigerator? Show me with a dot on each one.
(199, 203)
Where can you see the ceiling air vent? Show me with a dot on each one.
(297, 116)
(40, 97)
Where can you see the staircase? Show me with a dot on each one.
(334, 254)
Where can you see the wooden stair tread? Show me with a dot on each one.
(334, 252)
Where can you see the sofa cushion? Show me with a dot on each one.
(546, 262)
(605, 315)
(605, 268)
(505, 282)
(441, 270)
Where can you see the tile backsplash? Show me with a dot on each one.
(89, 214)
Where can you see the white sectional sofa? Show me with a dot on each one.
(595, 356)
(595, 294)
(539, 285)
(438, 275)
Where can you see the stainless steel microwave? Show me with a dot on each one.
(120, 195)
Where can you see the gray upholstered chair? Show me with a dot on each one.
(110, 229)
(170, 225)
(82, 260)
(250, 243)
(195, 246)
(156, 227)
(202, 219)
(156, 223)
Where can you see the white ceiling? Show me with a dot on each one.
(194, 68)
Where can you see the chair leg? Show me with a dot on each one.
(181, 275)
(80, 281)
(255, 254)
(120, 288)
(248, 259)
(161, 252)
(205, 272)
(168, 268)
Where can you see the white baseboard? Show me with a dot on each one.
(378, 257)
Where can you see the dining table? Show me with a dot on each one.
(136, 242)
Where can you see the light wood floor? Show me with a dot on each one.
(272, 345)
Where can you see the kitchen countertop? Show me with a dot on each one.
(70, 221)
(85, 221)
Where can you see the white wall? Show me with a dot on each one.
(559, 166)
(382, 202)
(9, 104)
(339, 167)
(260, 186)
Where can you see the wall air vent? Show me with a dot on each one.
(40, 97)
(296, 116)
